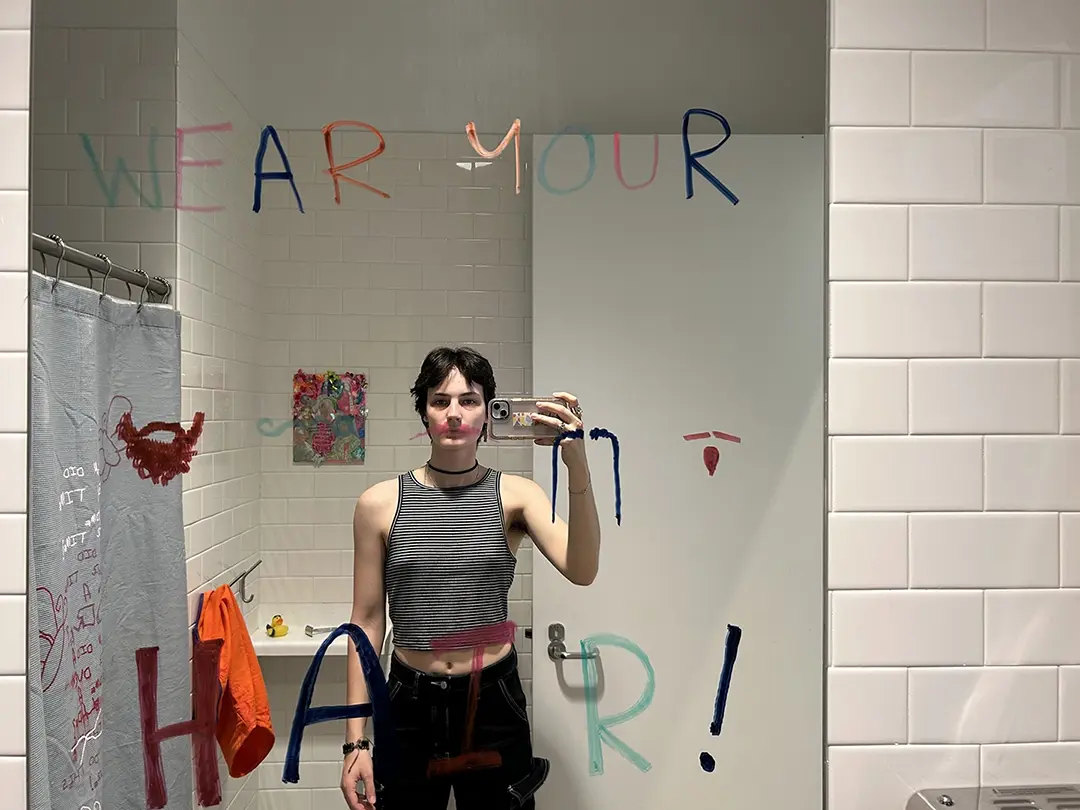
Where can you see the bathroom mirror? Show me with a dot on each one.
(253, 221)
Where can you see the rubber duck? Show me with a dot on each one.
(277, 627)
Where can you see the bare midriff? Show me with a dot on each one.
(450, 662)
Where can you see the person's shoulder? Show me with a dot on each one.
(375, 508)
(519, 488)
(378, 496)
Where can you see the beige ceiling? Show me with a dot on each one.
(632, 66)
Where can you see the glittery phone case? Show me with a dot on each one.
(511, 419)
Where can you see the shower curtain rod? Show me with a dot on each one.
(54, 246)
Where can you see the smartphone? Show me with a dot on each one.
(511, 419)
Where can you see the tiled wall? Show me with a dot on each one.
(954, 388)
(370, 286)
(110, 90)
(217, 292)
(14, 229)
(105, 96)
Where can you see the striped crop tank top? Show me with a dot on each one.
(449, 566)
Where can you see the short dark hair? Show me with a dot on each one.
(438, 364)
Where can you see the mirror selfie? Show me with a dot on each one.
(426, 405)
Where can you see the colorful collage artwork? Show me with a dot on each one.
(329, 417)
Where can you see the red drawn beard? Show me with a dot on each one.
(160, 461)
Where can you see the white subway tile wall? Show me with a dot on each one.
(954, 480)
(14, 255)
(217, 292)
(104, 124)
(371, 285)
(110, 92)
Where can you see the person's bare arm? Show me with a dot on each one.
(574, 548)
(369, 594)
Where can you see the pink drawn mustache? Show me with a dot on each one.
(443, 428)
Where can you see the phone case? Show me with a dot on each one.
(510, 419)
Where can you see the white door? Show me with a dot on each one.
(672, 317)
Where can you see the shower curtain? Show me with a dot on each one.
(107, 571)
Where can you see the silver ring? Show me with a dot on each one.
(576, 411)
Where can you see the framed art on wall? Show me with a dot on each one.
(329, 417)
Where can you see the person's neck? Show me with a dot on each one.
(452, 467)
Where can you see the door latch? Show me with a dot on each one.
(557, 646)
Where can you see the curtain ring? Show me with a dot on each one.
(168, 290)
(108, 272)
(142, 294)
(63, 252)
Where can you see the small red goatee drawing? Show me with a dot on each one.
(711, 456)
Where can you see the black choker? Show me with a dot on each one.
(432, 467)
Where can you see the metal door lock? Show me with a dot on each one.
(557, 646)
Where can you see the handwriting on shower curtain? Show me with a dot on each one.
(70, 647)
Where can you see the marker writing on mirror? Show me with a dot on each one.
(443, 429)
(618, 162)
(566, 434)
(541, 165)
(267, 427)
(513, 133)
(599, 728)
(594, 434)
(727, 437)
(378, 707)
(691, 158)
(604, 433)
(477, 640)
(731, 650)
(260, 175)
(711, 454)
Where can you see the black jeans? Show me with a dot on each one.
(494, 770)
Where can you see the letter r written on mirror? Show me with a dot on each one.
(338, 172)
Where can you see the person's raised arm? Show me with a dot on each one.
(369, 614)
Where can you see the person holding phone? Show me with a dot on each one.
(439, 544)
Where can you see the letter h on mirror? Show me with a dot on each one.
(204, 668)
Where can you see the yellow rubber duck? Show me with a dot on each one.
(277, 627)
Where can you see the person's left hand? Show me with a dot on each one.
(563, 416)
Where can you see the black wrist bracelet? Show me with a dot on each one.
(363, 744)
